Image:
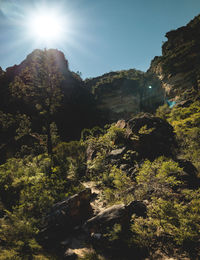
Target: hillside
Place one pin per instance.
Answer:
(102, 169)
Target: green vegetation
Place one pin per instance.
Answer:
(186, 123)
(29, 187)
(108, 79)
(40, 85)
(152, 161)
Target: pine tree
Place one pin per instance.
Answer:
(40, 84)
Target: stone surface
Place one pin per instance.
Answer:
(66, 215)
(122, 94)
(155, 136)
(120, 214)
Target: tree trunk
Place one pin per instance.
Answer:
(49, 141)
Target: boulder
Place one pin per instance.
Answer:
(66, 215)
(117, 152)
(155, 136)
(120, 214)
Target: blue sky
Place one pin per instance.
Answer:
(101, 35)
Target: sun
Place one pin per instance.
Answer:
(46, 26)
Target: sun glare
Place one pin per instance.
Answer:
(47, 27)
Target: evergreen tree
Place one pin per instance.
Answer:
(40, 84)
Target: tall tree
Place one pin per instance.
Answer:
(40, 84)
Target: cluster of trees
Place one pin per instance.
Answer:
(39, 84)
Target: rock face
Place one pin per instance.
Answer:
(116, 214)
(179, 66)
(66, 215)
(60, 225)
(125, 93)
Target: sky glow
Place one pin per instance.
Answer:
(47, 27)
(95, 36)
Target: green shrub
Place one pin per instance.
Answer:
(173, 214)
(18, 234)
(186, 123)
(71, 158)
(158, 178)
(163, 111)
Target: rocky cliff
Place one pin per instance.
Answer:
(179, 66)
(123, 94)
(88, 103)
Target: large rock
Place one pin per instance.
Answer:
(155, 136)
(120, 214)
(66, 215)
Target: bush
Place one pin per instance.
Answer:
(186, 123)
(159, 178)
(173, 214)
(71, 158)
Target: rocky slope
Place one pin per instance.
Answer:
(179, 66)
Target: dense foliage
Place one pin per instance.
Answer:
(30, 185)
(186, 123)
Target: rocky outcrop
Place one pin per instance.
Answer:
(71, 225)
(145, 137)
(120, 214)
(148, 136)
(155, 136)
(65, 216)
(179, 66)
(125, 93)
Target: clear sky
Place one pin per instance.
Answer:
(98, 36)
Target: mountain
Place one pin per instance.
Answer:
(88, 103)
(76, 111)
(179, 66)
